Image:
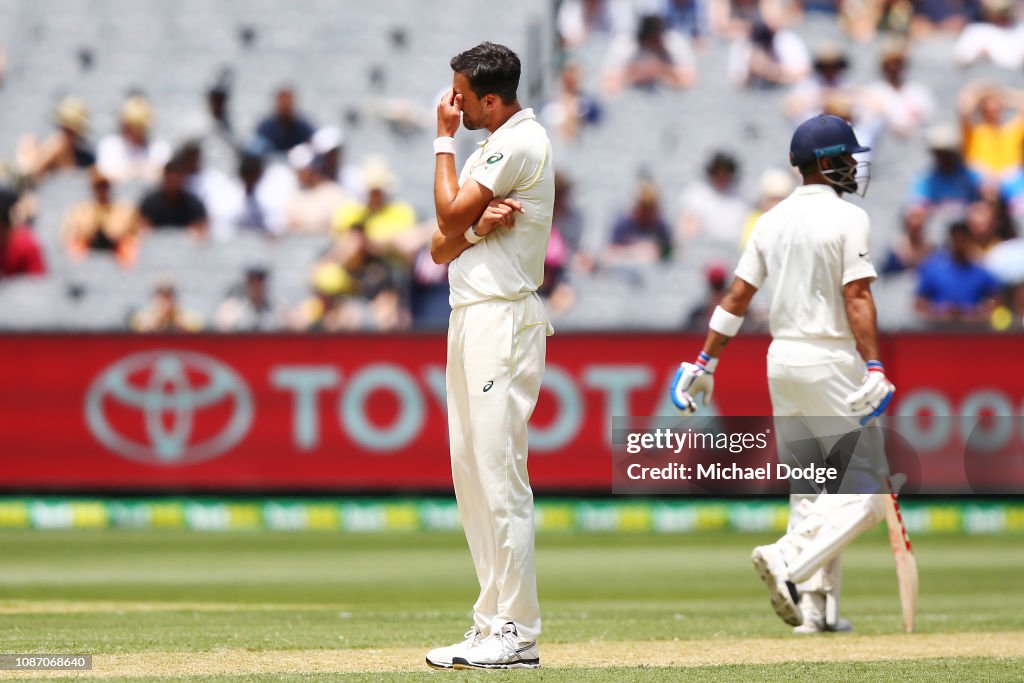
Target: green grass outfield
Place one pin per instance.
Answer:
(184, 604)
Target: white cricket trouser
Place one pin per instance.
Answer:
(495, 365)
(818, 524)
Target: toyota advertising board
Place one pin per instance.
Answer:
(366, 413)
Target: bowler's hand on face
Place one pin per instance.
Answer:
(449, 114)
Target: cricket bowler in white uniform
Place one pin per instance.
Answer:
(494, 222)
(815, 248)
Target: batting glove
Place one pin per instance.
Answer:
(691, 380)
(874, 396)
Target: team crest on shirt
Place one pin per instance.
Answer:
(495, 158)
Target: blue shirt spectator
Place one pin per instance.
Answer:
(948, 184)
(951, 287)
(285, 128)
(642, 235)
(689, 17)
(948, 14)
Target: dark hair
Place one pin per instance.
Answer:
(250, 164)
(491, 69)
(721, 161)
(8, 198)
(176, 165)
(649, 26)
(959, 228)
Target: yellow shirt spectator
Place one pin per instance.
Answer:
(995, 150)
(382, 218)
(380, 225)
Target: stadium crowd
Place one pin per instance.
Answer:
(291, 175)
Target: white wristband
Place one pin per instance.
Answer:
(444, 145)
(724, 322)
(472, 237)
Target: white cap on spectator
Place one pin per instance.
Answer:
(300, 157)
(327, 139)
(943, 136)
(378, 176)
(776, 183)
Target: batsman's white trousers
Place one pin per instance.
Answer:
(495, 365)
(812, 379)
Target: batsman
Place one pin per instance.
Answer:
(823, 364)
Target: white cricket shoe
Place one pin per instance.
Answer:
(812, 607)
(500, 651)
(771, 567)
(441, 657)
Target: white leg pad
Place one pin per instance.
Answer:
(835, 521)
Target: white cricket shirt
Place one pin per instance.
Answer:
(514, 162)
(811, 244)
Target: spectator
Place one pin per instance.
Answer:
(102, 224)
(652, 58)
(66, 148)
(171, 205)
(997, 37)
(568, 221)
(951, 287)
(285, 127)
(555, 288)
(131, 154)
(905, 107)
(948, 186)
(208, 184)
(894, 17)
(164, 314)
(717, 280)
(212, 128)
(572, 108)
(579, 19)
(774, 185)
(246, 205)
(383, 218)
(912, 247)
(377, 282)
(989, 224)
(328, 144)
(690, 18)
(642, 235)
(217, 99)
(768, 56)
(248, 307)
(733, 19)
(429, 291)
(312, 208)
(331, 308)
(712, 209)
(942, 16)
(807, 99)
(20, 253)
(1006, 262)
(992, 120)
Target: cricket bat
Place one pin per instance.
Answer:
(903, 554)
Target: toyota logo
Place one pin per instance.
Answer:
(169, 407)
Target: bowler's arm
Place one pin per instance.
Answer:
(457, 207)
(445, 249)
(736, 301)
(861, 314)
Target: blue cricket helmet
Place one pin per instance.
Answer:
(823, 136)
